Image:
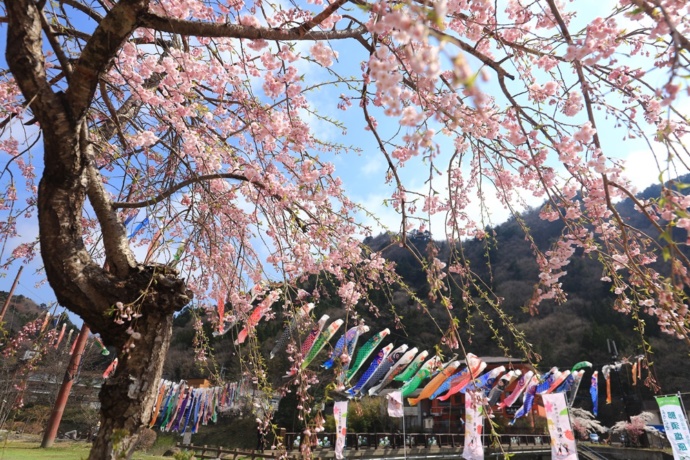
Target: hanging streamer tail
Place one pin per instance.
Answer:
(557, 381)
(221, 311)
(432, 386)
(464, 382)
(74, 344)
(395, 370)
(130, 218)
(494, 394)
(530, 393)
(547, 380)
(61, 335)
(242, 336)
(422, 374)
(281, 342)
(383, 369)
(68, 340)
(180, 250)
(45, 322)
(336, 351)
(608, 390)
(252, 321)
(364, 352)
(104, 350)
(371, 370)
(452, 381)
(313, 335)
(594, 393)
(325, 336)
(480, 384)
(110, 369)
(463, 378)
(517, 391)
(606, 372)
(572, 391)
(138, 227)
(412, 368)
(298, 318)
(348, 356)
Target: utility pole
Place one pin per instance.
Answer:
(9, 296)
(63, 394)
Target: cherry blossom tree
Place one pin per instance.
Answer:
(197, 118)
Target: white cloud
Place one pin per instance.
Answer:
(373, 164)
(642, 169)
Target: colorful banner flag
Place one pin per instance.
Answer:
(340, 415)
(562, 437)
(395, 404)
(608, 389)
(606, 373)
(676, 426)
(594, 392)
(474, 423)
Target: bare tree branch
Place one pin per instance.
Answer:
(208, 29)
(181, 185)
(105, 42)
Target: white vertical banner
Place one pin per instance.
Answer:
(474, 424)
(676, 426)
(395, 404)
(562, 437)
(340, 415)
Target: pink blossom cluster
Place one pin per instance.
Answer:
(323, 54)
(600, 42)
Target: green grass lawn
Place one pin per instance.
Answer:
(23, 450)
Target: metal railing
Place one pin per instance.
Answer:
(357, 441)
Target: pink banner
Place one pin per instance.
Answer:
(340, 415)
(474, 423)
(562, 437)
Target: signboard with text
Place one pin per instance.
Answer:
(676, 426)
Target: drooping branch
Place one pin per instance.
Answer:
(213, 30)
(177, 187)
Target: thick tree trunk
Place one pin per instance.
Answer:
(128, 396)
(81, 284)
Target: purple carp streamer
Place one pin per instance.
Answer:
(375, 364)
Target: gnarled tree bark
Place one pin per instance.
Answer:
(80, 283)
